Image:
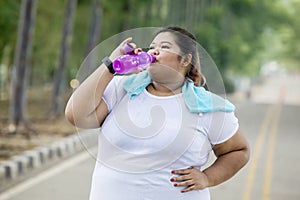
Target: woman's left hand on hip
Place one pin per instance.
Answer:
(190, 178)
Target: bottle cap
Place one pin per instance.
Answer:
(128, 48)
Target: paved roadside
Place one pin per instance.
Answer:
(70, 180)
(32, 162)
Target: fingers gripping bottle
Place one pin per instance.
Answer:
(130, 62)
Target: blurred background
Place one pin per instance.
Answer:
(254, 43)
(245, 38)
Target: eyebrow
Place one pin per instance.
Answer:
(153, 43)
(162, 42)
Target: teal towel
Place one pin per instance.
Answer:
(197, 99)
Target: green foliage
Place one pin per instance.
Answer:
(241, 7)
(9, 15)
(46, 41)
(290, 34)
(239, 35)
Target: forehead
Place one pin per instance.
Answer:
(164, 37)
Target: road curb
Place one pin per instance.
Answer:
(28, 163)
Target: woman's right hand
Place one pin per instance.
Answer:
(120, 49)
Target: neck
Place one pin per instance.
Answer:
(164, 89)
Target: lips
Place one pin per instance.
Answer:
(156, 60)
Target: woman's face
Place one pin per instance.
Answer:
(168, 66)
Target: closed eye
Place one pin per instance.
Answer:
(165, 47)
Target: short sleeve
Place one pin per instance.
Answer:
(113, 92)
(222, 126)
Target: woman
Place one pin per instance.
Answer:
(158, 126)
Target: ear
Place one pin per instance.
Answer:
(186, 60)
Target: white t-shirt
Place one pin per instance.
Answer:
(143, 139)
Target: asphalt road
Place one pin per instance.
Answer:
(271, 126)
(274, 168)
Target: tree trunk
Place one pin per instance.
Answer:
(190, 14)
(4, 73)
(21, 64)
(176, 12)
(96, 21)
(57, 99)
(125, 10)
(202, 10)
(94, 34)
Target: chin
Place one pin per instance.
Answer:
(154, 69)
(162, 73)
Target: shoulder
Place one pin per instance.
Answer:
(218, 117)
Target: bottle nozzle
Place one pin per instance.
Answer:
(153, 58)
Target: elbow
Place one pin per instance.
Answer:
(69, 115)
(245, 154)
(80, 118)
(80, 121)
(76, 121)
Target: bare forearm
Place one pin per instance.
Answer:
(226, 166)
(85, 108)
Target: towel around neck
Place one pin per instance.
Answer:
(197, 99)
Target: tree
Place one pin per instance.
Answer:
(21, 64)
(9, 15)
(57, 101)
(93, 36)
(95, 25)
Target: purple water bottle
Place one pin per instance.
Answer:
(130, 62)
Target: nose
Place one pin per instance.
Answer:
(154, 51)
